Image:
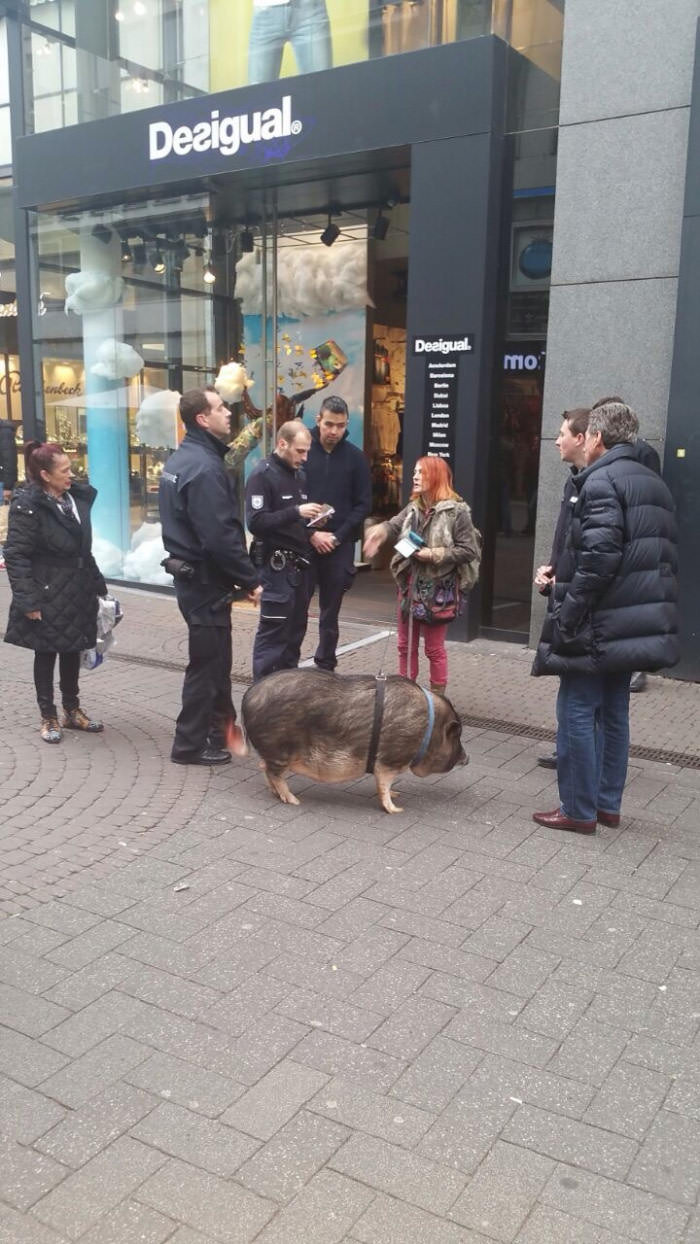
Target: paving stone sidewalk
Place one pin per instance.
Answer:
(226, 1020)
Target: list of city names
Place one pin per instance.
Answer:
(441, 408)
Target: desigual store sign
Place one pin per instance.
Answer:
(223, 133)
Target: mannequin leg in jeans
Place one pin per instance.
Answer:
(304, 24)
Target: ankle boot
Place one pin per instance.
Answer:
(438, 687)
(50, 730)
(76, 719)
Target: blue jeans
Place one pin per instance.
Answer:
(304, 24)
(592, 742)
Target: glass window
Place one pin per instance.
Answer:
(124, 306)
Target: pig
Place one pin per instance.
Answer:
(320, 725)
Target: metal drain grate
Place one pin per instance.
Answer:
(685, 760)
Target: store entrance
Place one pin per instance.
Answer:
(315, 307)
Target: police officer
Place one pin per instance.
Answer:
(337, 474)
(277, 512)
(208, 561)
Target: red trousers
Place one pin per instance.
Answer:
(434, 644)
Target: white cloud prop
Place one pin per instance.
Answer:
(156, 419)
(142, 562)
(116, 360)
(232, 382)
(108, 557)
(310, 280)
(92, 291)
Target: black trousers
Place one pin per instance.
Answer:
(68, 671)
(332, 573)
(207, 707)
(284, 609)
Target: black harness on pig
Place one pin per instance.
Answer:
(380, 692)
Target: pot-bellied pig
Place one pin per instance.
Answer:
(330, 728)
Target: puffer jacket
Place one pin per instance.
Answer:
(613, 607)
(449, 533)
(51, 567)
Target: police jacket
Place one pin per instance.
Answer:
(340, 478)
(273, 495)
(613, 607)
(198, 503)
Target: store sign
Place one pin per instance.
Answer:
(444, 345)
(223, 134)
(441, 409)
(524, 362)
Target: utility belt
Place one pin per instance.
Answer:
(196, 572)
(279, 559)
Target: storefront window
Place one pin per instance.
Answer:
(5, 141)
(125, 324)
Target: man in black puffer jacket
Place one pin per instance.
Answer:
(612, 611)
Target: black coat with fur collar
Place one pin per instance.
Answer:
(51, 567)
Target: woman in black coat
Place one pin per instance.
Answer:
(55, 581)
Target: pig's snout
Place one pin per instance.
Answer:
(462, 759)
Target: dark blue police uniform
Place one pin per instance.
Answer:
(198, 507)
(340, 478)
(274, 493)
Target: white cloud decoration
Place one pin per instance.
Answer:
(311, 280)
(115, 360)
(232, 382)
(92, 291)
(156, 419)
(142, 562)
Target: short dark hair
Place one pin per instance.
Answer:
(40, 456)
(194, 402)
(577, 420)
(603, 401)
(335, 406)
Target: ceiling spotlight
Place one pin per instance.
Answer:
(208, 274)
(102, 233)
(381, 227)
(155, 258)
(126, 251)
(247, 242)
(330, 233)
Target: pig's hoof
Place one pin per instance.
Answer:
(390, 806)
(289, 798)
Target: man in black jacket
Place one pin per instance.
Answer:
(8, 459)
(612, 610)
(337, 474)
(209, 562)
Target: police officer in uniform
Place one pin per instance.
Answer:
(277, 512)
(210, 564)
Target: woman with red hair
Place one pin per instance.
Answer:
(435, 575)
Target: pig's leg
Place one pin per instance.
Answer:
(277, 784)
(384, 778)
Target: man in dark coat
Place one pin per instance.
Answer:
(209, 563)
(337, 474)
(612, 611)
(8, 458)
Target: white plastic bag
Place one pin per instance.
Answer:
(109, 613)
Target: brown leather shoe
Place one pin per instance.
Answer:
(557, 820)
(610, 819)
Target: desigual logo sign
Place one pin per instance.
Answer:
(225, 134)
(444, 345)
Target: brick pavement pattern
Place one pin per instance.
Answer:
(227, 1020)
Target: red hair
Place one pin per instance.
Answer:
(437, 481)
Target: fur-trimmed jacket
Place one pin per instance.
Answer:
(449, 533)
(51, 568)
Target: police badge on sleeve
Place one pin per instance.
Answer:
(257, 502)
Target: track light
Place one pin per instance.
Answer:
(155, 258)
(208, 274)
(127, 255)
(381, 227)
(247, 242)
(330, 233)
(102, 233)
